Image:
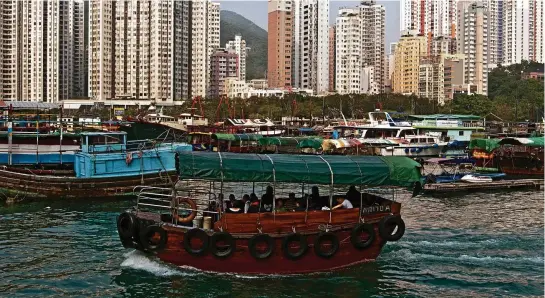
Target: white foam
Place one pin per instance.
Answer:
(408, 254)
(140, 261)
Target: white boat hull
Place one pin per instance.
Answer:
(476, 179)
(413, 151)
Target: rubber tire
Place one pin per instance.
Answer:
(126, 232)
(326, 236)
(261, 238)
(302, 243)
(148, 232)
(200, 234)
(385, 224)
(355, 236)
(225, 237)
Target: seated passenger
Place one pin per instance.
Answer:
(267, 199)
(316, 201)
(231, 201)
(238, 207)
(354, 196)
(246, 200)
(280, 206)
(300, 205)
(254, 204)
(343, 203)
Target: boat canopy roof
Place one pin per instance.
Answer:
(236, 137)
(445, 116)
(315, 143)
(532, 142)
(336, 144)
(488, 145)
(313, 169)
(281, 141)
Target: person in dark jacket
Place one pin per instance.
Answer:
(267, 199)
(354, 196)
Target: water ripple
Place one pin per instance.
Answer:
(476, 245)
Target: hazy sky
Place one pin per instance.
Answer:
(256, 11)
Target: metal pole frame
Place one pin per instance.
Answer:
(330, 190)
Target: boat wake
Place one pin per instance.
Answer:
(407, 254)
(139, 261)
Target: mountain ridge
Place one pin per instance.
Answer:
(232, 23)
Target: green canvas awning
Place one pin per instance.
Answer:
(223, 137)
(248, 137)
(280, 141)
(314, 169)
(488, 145)
(314, 143)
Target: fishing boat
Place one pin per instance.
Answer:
(302, 240)
(107, 165)
(521, 156)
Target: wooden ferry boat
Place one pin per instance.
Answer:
(522, 156)
(297, 241)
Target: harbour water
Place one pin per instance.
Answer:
(480, 244)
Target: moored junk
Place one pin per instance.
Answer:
(316, 213)
(106, 165)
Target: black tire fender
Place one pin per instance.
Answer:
(388, 224)
(303, 246)
(355, 236)
(261, 238)
(126, 226)
(199, 234)
(324, 237)
(148, 233)
(225, 237)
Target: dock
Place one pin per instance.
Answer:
(494, 185)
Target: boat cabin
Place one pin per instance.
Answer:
(448, 127)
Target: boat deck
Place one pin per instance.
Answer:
(494, 185)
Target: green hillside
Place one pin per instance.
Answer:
(255, 37)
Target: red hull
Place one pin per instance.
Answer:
(243, 226)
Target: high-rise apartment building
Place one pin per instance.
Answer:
(495, 31)
(43, 48)
(205, 36)
(522, 31)
(432, 18)
(408, 52)
(332, 50)
(280, 43)
(310, 57)
(439, 75)
(472, 40)
(360, 52)
(238, 45)
(223, 64)
(139, 50)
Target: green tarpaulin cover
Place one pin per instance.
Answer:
(224, 137)
(315, 143)
(316, 169)
(486, 144)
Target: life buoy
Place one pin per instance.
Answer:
(193, 207)
(291, 238)
(387, 226)
(128, 158)
(323, 237)
(147, 238)
(199, 234)
(355, 236)
(259, 238)
(223, 251)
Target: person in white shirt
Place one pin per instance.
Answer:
(343, 203)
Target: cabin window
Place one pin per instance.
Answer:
(430, 140)
(461, 133)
